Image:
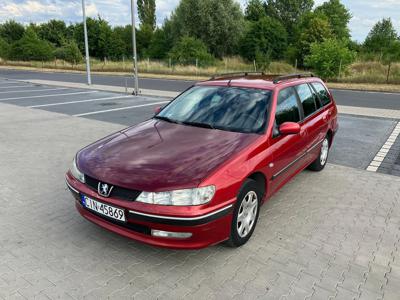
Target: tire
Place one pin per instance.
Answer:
(319, 163)
(247, 207)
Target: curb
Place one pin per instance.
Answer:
(106, 88)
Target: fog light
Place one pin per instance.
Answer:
(168, 234)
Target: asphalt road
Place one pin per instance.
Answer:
(342, 97)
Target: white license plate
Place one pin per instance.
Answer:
(104, 209)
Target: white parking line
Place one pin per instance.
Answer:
(118, 109)
(26, 91)
(7, 82)
(380, 156)
(79, 101)
(15, 86)
(51, 95)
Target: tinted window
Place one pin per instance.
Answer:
(322, 93)
(306, 98)
(287, 109)
(316, 98)
(224, 108)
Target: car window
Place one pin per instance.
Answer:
(225, 108)
(322, 93)
(287, 109)
(306, 98)
(316, 98)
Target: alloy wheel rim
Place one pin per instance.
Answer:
(324, 152)
(247, 214)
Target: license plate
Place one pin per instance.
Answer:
(103, 209)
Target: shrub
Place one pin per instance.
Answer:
(188, 49)
(262, 60)
(69, 52)
(327, 57)
(4, 49)
(30, 47)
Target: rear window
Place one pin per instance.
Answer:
(322, 93)
(287, 109)
(307, 99)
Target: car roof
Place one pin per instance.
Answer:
(257, 80)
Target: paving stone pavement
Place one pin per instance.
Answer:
(328, 235)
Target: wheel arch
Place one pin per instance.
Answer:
(330, 136)
(261, 181)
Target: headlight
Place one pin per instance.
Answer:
(76, 173)
(194, 196)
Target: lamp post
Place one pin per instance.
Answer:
(135, 69)
(89, 79)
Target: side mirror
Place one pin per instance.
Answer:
(289, 128)
(157, 109)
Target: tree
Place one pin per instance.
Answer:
(266, 36)
(255, 10)
(69, 52)
(390, 55)
(147, 13)
(54, 31)
(289, 12)
(11, 31)
(328, 57)
(188, 49)
(99, 37)
(144, 37)
(392, 52)
(161, 43)
(119, 42)
(218, 23)
(4, 49)
(313, 28)
(381, 36)
(338, 16)
(30, 47)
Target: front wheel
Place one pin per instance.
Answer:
(245, 213)
(319, 163)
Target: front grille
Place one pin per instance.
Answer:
(117, 191)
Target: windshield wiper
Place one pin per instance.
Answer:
(198, 124)
(167, 119)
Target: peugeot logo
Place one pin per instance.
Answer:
(104, 189)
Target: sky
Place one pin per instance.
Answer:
(365, 12)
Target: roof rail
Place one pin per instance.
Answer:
(290, 76)
(236, 74)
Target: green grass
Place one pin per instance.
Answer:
(371, 72)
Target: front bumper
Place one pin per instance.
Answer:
(207, 229)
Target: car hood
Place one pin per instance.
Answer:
(157, 155)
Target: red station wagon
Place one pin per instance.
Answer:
(197, 173)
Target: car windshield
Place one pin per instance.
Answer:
(224, 108)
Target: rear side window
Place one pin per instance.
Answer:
(307, 99)
(287, 109)
(322, 93)
(316, 98)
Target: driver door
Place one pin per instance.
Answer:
(288, 151)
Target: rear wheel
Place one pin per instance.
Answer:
(245, 213)
(319, 163)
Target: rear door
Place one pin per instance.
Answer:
(289, 150)
(314, 118)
